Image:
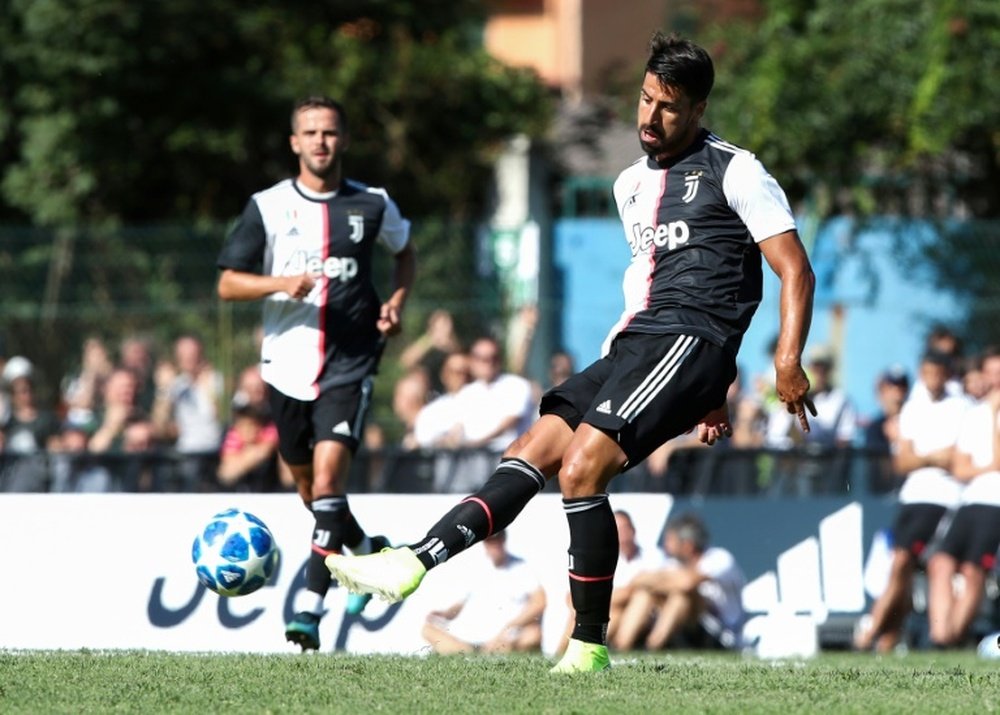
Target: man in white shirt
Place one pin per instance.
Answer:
(928, 430)
(695, 599)
(500, 613)
(969, 548)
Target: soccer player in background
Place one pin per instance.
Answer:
(698, 213)
(304, 246)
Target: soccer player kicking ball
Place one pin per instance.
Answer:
(698, 213)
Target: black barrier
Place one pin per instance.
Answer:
(694, 471)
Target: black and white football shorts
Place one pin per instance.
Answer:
(339, 414)
(646, 390)
(915, 526)
(974, 535)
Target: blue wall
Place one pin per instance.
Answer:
(886, 308)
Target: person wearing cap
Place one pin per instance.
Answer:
(28, 431)
(929, 428)
(891, 390)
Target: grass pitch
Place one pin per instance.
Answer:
(156, 682)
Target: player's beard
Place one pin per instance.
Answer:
(652, 150)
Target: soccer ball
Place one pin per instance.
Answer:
(989, 646)
(234, 554)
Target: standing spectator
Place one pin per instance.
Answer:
(251, 391)
(409, 396)
(81, 392)
(493, 409)
(438, 422)
(891, 390)
(432, 348)
(500, 613)
(694, 601)
(186, 411)
(969, 547)
(928, 430)
(835, 420)
(305, 247)
(248, 459)
(496, 406)
(124, 435)
(561, 368)
(942, 339)
(135, 353)
(28, 432)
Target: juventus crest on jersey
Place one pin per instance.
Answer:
(693, 228)
(328, 338)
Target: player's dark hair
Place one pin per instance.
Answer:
(936, 357)
(677, 62)
(318, 101)
(690, 527)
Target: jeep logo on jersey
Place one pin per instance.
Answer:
(333, 267)
(671, 235)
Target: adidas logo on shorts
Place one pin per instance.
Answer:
(604, 407)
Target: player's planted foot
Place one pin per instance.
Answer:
(581, 657)
(303, 630)
(391, 574)
(356, 602)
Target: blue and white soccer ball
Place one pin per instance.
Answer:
(234, 554)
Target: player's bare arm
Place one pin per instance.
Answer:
(240, 285)
(787, 257)
(391, 313)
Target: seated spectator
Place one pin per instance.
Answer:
(502, 611)
(632, 560)
(119, 408)
(248, 460)
(693, 601)
(124, 434)
(438, 423)
(28, 432)
(74, 467)
(430, 349)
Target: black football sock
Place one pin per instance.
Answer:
(331, 513)
(354, 535)
(486, 512)
(593, 556)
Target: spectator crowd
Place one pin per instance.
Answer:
(134, 417)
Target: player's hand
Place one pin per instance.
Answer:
(389, 320)
(298, 287)
(715, 425)
(793, 389)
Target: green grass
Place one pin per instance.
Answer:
(154, 682)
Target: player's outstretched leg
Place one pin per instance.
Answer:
(393, 574)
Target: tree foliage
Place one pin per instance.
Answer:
(871, 106)
(173, 111)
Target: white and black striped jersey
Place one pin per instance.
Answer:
(329, 338)
(693, 228)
